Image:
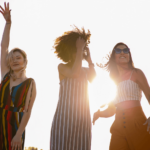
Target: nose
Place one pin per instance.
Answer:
(14, 60)
(122, 52)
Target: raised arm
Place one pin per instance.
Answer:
(76, 68)
(91, 73)
(5, 39)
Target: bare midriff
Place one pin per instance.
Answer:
(128, 104)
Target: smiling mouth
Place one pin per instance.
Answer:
(15, 64)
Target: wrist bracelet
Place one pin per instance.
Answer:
(91, 64)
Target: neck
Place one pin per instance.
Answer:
(19, 74)
(71, 63)
(123, 68)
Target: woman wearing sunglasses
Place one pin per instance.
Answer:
(131, 128)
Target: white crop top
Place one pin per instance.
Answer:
(128, 90)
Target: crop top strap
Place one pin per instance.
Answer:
(131, 74)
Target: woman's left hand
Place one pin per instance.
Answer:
(88, 56)
(16, 142)
(148, 122)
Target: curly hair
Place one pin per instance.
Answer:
(111, 66)
(65, 45)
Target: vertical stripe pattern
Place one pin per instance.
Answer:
(71, 126)
(128, 90)
(11, 110)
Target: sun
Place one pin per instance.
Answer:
(101, 91)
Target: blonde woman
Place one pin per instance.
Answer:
(17, 92)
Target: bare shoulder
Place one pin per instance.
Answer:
(62, 66)
(34, 83)
(33, 87)
(139, 74)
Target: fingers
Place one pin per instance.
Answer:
(2, 8)
(148, 127)
(5, 5)
(81, 39)
(94, 119)
(16, 146)
(80, 43)
(1, 12)
(13, 145)
(145, 122)
(20, 147)
(8, 6)
(86, 48)
(103, 106)
(93, 122)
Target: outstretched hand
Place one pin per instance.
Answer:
(95, 116)
(6, 12)
(148, 124)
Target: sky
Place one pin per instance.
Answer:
(36, 24)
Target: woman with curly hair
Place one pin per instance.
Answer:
(17, 92)
(129, 130)
(71, 127)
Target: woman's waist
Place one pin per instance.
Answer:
(127, 104)
(136, 111)
(11, 108)
(10, 116)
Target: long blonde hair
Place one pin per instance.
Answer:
(9, 58)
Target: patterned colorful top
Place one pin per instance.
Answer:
(12, 105)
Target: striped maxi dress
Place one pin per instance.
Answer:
(11, 110)
(71, 126)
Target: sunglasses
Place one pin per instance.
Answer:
(118, 50)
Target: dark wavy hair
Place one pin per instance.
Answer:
(111, 66)
(65, 45)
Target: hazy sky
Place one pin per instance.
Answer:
(36, 24)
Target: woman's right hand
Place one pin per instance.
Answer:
(6, 12)
(80, 44)
(96, 116)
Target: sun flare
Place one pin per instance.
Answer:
(101, 91)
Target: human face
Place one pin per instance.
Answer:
(17, 62)
(122, 58)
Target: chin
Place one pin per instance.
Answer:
(16, 69)
(124, 62)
